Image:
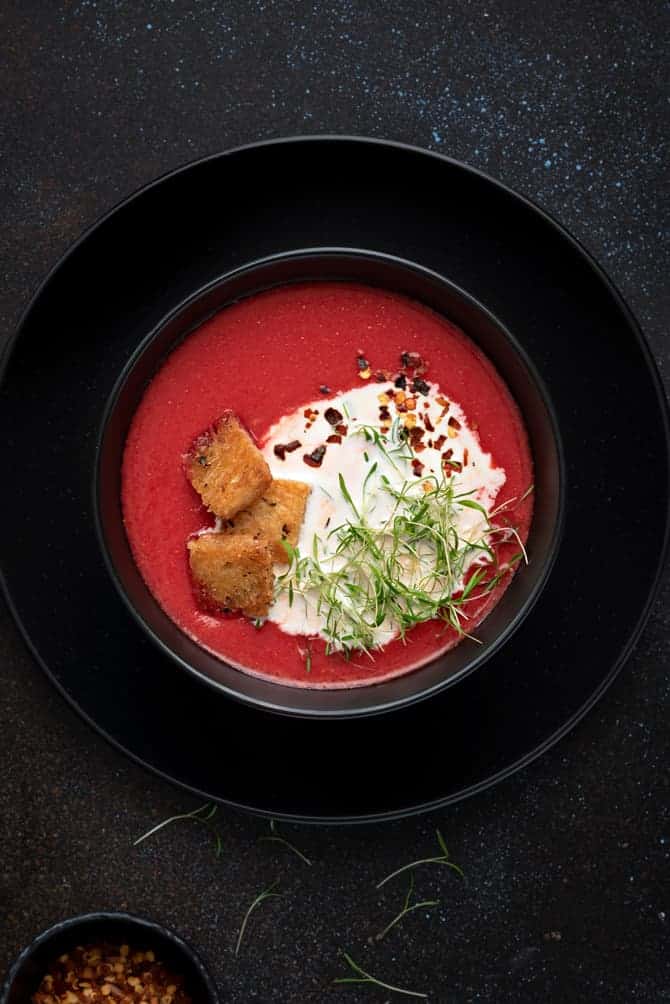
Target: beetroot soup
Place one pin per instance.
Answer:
(327, 485)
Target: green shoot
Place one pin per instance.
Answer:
(442, 859)
(262, 896)
(363, 977)
(277, 839)
(412, 568)
(408, 907)
(203, 815)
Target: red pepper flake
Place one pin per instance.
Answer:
(411, 360)
(448, 464)
(381, 376)
(427, 422)
(384, 414)
(332, 416)
(417, 467)
(281, 449)
(315, 458)
(401, 406)
(110, 972)
(334, 438)
(324, 389)
(415, 436)
(342, 429)
(466, 457)
(439, 442)
(420, 386)
(453, 423)
(418, 447)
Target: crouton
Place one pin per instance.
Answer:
(277, 515)
(232, 572)
(226, 468)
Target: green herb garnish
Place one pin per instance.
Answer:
(442, 859)
(277, 839)
(204, 815)
(363, 977)
(408, 907)
(255, 903)
(412, 568)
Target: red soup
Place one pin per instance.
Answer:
(402, 437)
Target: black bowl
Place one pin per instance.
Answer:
(511, 362)
(25, 975)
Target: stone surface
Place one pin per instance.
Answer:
(566, 864)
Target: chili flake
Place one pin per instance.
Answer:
(411, 360)
(315, 458)
(281, 449)
(332, 416)
(96, 973)
(420, 386)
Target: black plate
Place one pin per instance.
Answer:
(183, 232)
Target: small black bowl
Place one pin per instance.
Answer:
(25, 975)
(496, 342)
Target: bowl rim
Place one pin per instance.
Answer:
(102, 917)
(286, 707)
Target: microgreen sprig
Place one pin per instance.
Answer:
(203, 814)
(268, 893)
(274, 837)
(408, 907)
(441, 859)
(413, 567)
(363, 977)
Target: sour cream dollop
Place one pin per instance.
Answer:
(442, 442)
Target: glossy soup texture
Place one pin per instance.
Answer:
(264, 357)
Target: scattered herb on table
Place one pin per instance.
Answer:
(442, 859)
(408, 907)
(275, 837)
(268, 893)
(363, 977)
(204, 815)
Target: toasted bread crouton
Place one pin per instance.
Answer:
(277, 515)
(226, 468)
(232, 572)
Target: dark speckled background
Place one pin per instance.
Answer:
(566, 895)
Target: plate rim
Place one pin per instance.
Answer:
(661, 398)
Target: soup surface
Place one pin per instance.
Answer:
(391, 406)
